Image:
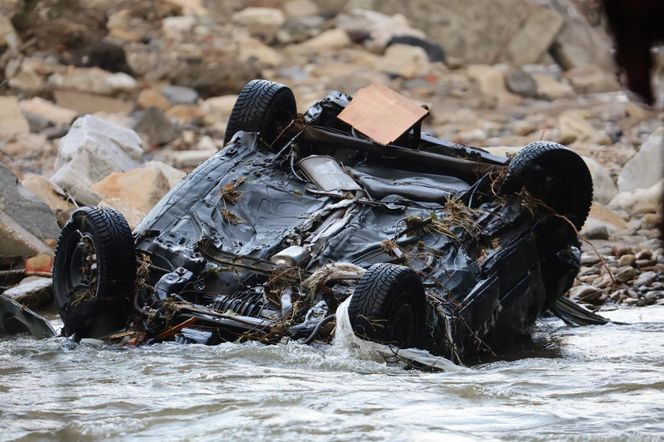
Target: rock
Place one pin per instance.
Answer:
(152, 98)
(188, 158)
(326, 41)
(139, 188)
(92, 149)
(405, 61)
(25, 208)
(33, 292)
(613, 222)
(589, 259)
(644, 279)
(595, 229)
(40, 263)
(625, 274)
(17, 241)
(652, 219)
(185, 113)
(27, 80)
(640, 200)
(376, 30)
(173, 175)
(534, 37)
(85, 103)
(47, 110)
(12, 121)
(522, 83)
(644, 169)
(37, 124)
(218, 109)
(8, 35)
(603, 187)
(261, 22)
(253, 50)
(301, 8)
(575, 128)
(179, 94)
(156, 127)
(592, 79)
(48, 192)
(644, 254)
(490, 79)
(93, 80)
(585, 293)
(626, 260)
(551, 89)
(434, 52)
(177, 28)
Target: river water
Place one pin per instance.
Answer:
(599, 382)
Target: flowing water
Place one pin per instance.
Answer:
(604, 382)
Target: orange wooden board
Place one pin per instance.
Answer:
(381, 113)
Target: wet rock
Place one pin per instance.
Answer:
(139, 188)
(179, 94)
(50, 112)
(93, 80)
(33, 292)
(405, 61)
(592, 79)
(585, 293)
(603, 187)
(549, 88)
(521, 83)
(156, 127)
(645, 169)
(12, 121)
(625, 274)
(85, 103)
(17, 241)
(26, 208)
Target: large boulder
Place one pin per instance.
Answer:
(604, 189)
(645, 168)
(25, 208)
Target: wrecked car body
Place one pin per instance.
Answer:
(424, 243)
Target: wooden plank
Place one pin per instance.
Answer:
(381, 113)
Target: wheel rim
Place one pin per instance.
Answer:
(81, 268)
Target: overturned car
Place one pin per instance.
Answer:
(425, 243)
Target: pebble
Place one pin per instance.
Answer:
(645, 278)
(625, 274)
(626, 260)
(644, 254)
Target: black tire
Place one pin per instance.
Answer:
(94, 272)
(262, 106)
(388, 306)
(556, 176)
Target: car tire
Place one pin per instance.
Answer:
(94, 272)
(262, 106)
(388, 306)
(543, 163)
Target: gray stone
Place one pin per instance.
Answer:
(156, 126)
(17, 241)
(179, 94)
(25, 208)
(604, 188)
(586, 293)
(644, 279)
(521, 82)
(645, 169)
(106, 148)
(33, 292)
(625, 274)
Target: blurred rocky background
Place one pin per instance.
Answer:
(112, 102)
